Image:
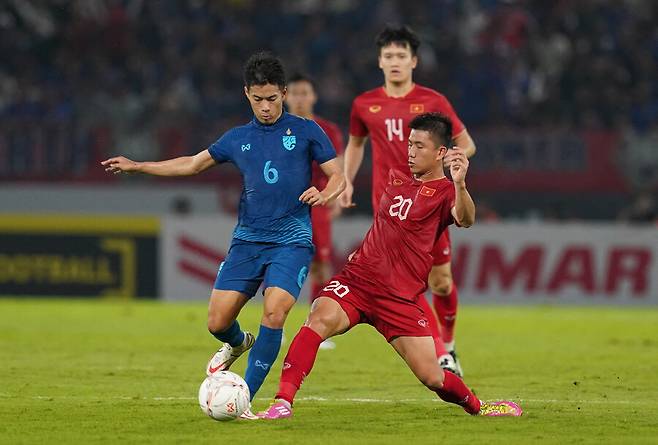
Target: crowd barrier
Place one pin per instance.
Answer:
(176, 258)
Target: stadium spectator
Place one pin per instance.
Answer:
(79, 77)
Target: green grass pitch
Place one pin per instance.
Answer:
(128, 372)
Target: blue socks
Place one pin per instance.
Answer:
(233, 335)
(262, 357)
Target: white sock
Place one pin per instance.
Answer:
(450, 346)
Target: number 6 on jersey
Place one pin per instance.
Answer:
(271, 175)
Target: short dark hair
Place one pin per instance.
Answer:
(438, 125)
(402, 35)
(298, 76)
(264, 68)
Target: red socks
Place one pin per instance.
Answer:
(446, 310)
(455, 391)
(301, 357)
(434, 326)
(298, 363)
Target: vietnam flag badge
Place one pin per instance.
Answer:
(426, 191)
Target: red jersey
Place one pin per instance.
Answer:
(386, 120)
(396, 253)
(318, 178)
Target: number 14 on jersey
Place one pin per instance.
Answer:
(394, 129)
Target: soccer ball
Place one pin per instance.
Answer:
(224, 396)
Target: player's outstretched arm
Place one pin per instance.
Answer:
(335, 186)
(182, 166)
(353, 159)
(464, 210)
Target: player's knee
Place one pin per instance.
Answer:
(217, 323)
(432, 379)
(324, 323)
(274, 318)
(440, 284)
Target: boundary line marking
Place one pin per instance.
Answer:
(332, 400)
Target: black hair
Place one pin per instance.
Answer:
(264, 68)
(402, 35)
(438, 125)
(298, 76)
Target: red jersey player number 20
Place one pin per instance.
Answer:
(396, 254)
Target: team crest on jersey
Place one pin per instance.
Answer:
(375, 108)
(397, 181)
(416, 108)
(289, 140)
(426, 191)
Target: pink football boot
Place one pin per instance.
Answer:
(280, 409)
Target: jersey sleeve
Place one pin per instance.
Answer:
(220, 150)
(357, 126)
(321, 148)
(446, 108)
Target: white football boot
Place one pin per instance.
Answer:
(458, 366)
(447, 362)
(248, 415)
(226, 355)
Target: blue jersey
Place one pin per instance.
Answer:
(275, 162)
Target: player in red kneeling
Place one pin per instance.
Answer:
(381, 283)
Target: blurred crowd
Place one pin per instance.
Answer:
(162, 78)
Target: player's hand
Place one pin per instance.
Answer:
(313, 197)
(458, 162)
(120, 164)
(450, 155)
(345, 198)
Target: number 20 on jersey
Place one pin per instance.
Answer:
(400, 207)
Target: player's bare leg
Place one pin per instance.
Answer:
(444, 295)
(418, 353)
(223, 310)
(325, 320)
(319, 274)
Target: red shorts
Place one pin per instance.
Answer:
(391, 316)
(442, 249)
(321, 221)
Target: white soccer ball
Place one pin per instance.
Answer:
(224, 396)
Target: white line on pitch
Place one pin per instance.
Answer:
(366, 400)
(339, 400)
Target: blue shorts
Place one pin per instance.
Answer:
(249, 264)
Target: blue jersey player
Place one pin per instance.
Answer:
(272, 241)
